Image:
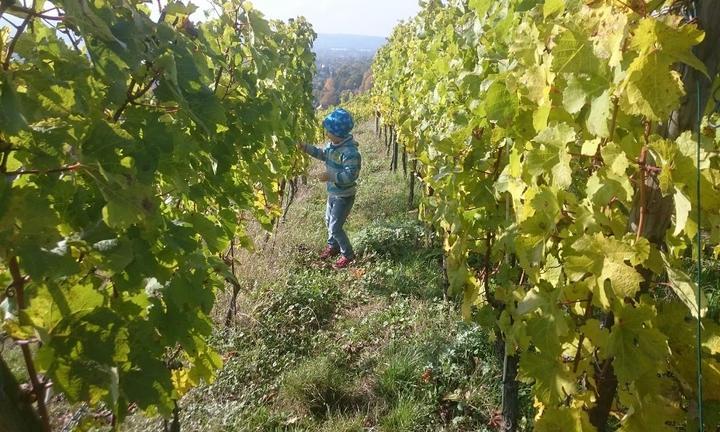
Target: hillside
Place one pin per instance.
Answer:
(349, 43)
(343, 66)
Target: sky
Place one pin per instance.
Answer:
(358, 17)
(361, 17)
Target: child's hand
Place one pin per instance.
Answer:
(324, 176)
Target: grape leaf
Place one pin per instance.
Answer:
(565, 419)
(685, 288)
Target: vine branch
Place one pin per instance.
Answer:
(72, 167)
(16, 37)
(38, 387)
(643, 193)
(32, 13)
(132, 97)
(586, 317)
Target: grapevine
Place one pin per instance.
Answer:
(566, 197)
(131, 149)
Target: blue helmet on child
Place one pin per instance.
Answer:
(339, 123)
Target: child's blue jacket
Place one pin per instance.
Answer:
(343, 162)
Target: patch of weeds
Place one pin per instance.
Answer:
(318, 386)
(344, 423)
(710, 283)
(406, 416)
(389, 238)
(415, 276)
(289, 317)
(12, 355)
(264, 418)
(280, 331)
(399, 372)
(375, 328)
(469, 352)
(466, 378)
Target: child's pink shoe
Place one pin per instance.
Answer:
(342, 262)
(328, 252)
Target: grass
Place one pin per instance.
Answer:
(405, 416)
(319, 386)
(399, 372)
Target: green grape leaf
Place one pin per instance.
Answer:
(41, 263)
(50, 305)
(140, 142)
(121, 211)
(637, 347)
(211, 233)
(500, 105)
(573, 53)
(575, 94)
(11, 117)
(83, 354)
(113, 254)
(552, 7)
(82, 15)
(600, 113)
(685, 288)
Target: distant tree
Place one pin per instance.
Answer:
(367, 81)
(340, 73)
(345, 96)
(329, 95)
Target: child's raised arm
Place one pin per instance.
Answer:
(313, 151)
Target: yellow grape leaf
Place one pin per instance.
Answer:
(182, 381)
(552, 378)
(589, 148)
(673, 38)
(564, 419)
(625, 280)
(553, 6)
(599, 336)
(533, 299)
(652, 89)
(685, 287)
(573, 53)
(651, 412)
(609, 35)
(682, 211)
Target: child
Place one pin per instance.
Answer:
(342, 163)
